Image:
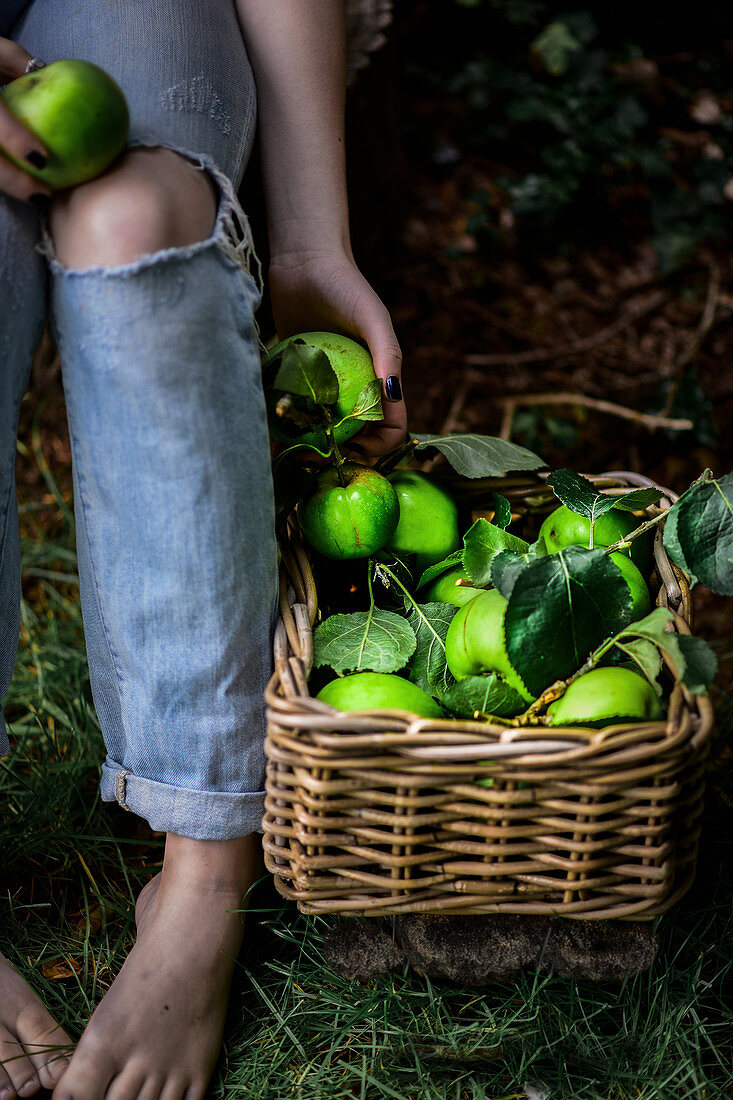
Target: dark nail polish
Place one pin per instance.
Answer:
(39, 199)
(36, 159)
(393, 388)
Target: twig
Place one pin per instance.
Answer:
(695, 342)
(587, 343)
(647, 420)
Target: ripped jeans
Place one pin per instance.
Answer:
(173, 495)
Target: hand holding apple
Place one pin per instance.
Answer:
(16, 138)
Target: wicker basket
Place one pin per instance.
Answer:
(372, 814)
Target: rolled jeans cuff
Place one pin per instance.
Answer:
(200, 815)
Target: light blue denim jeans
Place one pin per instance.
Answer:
(172, 486)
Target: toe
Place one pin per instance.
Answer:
(86, 1077)
(151, 1088)
(16, 1066)
(45, 1043)
(126, 1085)
(174, 1089)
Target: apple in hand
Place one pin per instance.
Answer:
(353, 367)
(79, 113)
(352, 520)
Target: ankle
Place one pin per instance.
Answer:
(216, 866)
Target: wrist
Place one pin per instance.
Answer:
(296, 241)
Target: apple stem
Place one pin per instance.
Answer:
(640, 530)
(338, 458)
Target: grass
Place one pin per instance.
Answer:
(71, 868)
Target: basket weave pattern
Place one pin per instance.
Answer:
(372, 814)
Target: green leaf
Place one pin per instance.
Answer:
(480, 455)
(502, 511)
(427, 667)
(701, 664)
(368, 404)
(560, 609)
(485, 695)
(695, 662)
(380, 641)
(505, 568)
(705, 532)
(307, 372)
(672, 543)
(638, 499)
(580, 495)
(433, 571)
(646, 658)
(554, 45)
(482, 543)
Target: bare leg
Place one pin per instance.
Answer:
(157, 1032)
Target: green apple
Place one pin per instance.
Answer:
(475, 642)
(445, 589)
(563, 527)
(428, 523)
(640, 599)
(378, 691)
(351, 521)
(353, 367)
(606, 696)
(79, 113)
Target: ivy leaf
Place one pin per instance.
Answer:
(560, 609)
(306, 371)
(380, 641)
(480, 455)
(433, 571)
(368, 404)
(482, 543)
(505, 568)
(502, 511)
(427, 667)
(705, 532)
(484, 695)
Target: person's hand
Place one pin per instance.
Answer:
(326, 291)
(15, 138)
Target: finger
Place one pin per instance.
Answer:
(13, 59)
(375, 326)
(22, 144)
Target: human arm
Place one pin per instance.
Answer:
(298, 54)
(14, 137)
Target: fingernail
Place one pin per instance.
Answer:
(36, 159)
(393, 388)
(39, 199)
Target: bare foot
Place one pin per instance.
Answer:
(157, 1032)
(33, 1048)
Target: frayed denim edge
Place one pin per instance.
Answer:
(232, 232)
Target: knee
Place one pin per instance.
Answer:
(152, 200)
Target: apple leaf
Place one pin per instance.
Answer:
(480, 455)
(645, 655)
(561, 608)
(433, 571)
(701, 664)
(427, 667)
(693, 658)
(505, 568)
(502, 511)
(672, 543)
(380, 641)
(482, 543)
(704, 531)
(306, 371)
(368, 404)
(483, 695)
(580, 495)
